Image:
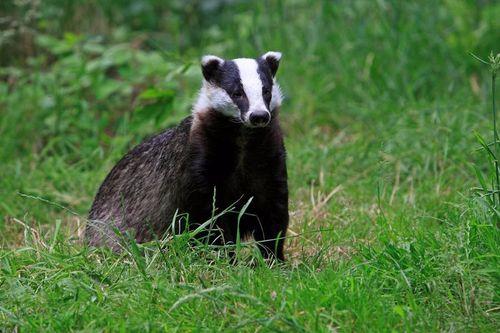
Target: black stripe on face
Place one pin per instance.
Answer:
(228, 78)
(267, 80)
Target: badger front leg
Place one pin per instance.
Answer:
(270, 231)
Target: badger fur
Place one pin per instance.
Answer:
(229, 150)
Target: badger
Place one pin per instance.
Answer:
(228, 152)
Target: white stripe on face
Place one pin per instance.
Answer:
(252, 84)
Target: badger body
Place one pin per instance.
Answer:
(229, 150)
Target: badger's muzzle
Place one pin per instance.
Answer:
(259, 118)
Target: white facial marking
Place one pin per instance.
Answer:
(213, 97)
(252, 85)
(276, 96)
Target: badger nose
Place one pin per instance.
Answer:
(259, 118)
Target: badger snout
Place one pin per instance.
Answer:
(259, 118)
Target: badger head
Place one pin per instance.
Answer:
(243, 89)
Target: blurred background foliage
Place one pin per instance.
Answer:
(82, 81)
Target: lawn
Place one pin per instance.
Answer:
(393, 197)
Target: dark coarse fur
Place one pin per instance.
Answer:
(179, 169)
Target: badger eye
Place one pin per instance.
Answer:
(237, 94)
(266, 92)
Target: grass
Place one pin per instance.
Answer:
(382, 110)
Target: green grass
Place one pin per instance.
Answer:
(383, 104)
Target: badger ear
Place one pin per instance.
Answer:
(210, 64)
(273, 60)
